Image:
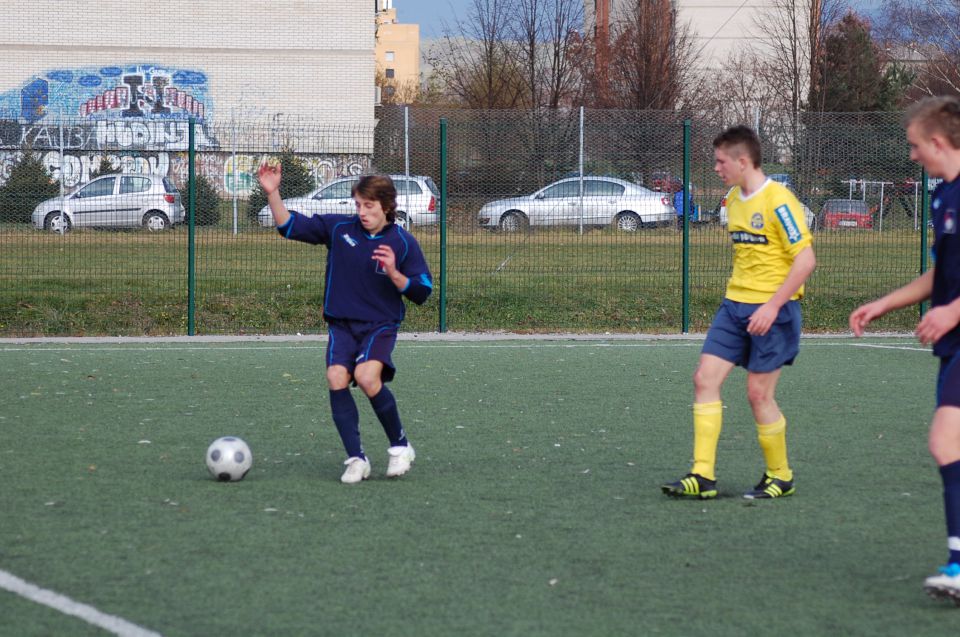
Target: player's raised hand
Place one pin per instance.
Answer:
(269, 175)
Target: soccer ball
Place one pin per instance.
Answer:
(229, 459)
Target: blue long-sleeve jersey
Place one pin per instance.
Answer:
(945, 209)
(357, 288)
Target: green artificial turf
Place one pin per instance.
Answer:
(533, 507)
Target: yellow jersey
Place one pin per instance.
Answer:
(768, 230)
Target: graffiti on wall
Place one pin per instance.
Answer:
(137, 91)
(137, 117)
(236, 175)
(230, 175)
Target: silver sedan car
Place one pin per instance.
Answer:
(604, 201)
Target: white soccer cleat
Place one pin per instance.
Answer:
(400, 460)
(358, 469)
(945, 585)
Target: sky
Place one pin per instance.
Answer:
(432, 15)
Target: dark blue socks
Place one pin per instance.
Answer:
(385, 407)
(951, 506)
(347, 419)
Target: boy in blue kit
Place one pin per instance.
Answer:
(372, 263)
(933, 132)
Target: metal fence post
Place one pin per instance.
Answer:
(443, 224)
(685, 218)
(191, 242)
(406, 140)
(580, 164)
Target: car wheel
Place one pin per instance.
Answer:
(155, 221)
(401, 219)
(57, 222)
(513, 222)
(627, 221)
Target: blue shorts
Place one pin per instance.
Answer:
(353, 342)
(948, 382)
(728, 338)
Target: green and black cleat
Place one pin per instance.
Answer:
(691, 485)
(770, 487)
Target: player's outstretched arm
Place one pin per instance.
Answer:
(269, 176)
(914, 292)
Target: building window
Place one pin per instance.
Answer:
(389, 56)
(390, 74)
(389, 90)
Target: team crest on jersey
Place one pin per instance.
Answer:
(350, 240)
(950, 221)
(756, 221)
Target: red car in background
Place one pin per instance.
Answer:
(845, 213)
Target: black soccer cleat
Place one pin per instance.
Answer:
(691, 485)
(770, 487)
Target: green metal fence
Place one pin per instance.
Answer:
(584, 257)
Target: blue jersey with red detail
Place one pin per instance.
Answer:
(357, 288)
(945, 211)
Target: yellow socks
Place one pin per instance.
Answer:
(773, 442)
(707, 421)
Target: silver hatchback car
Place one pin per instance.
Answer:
(114, 201)
(604, 201)
(417, 201)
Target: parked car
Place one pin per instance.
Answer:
(845, 213)
(417, 201)
(606, 200)
(114, 201)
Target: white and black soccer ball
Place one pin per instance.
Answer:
(229, 459)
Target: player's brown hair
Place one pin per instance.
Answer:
(937, 115)
(739, 139)
(380, 188)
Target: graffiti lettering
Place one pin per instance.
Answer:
(149, 135)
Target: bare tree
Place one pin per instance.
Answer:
(742, 91)
(929, 31)
(654, 59)
(393, 91)
(787, 54)
(544, 33)
(476, 63)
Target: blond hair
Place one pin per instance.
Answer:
(937, 115)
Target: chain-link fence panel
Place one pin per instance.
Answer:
(555, 220)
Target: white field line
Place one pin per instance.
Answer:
(67, 606)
